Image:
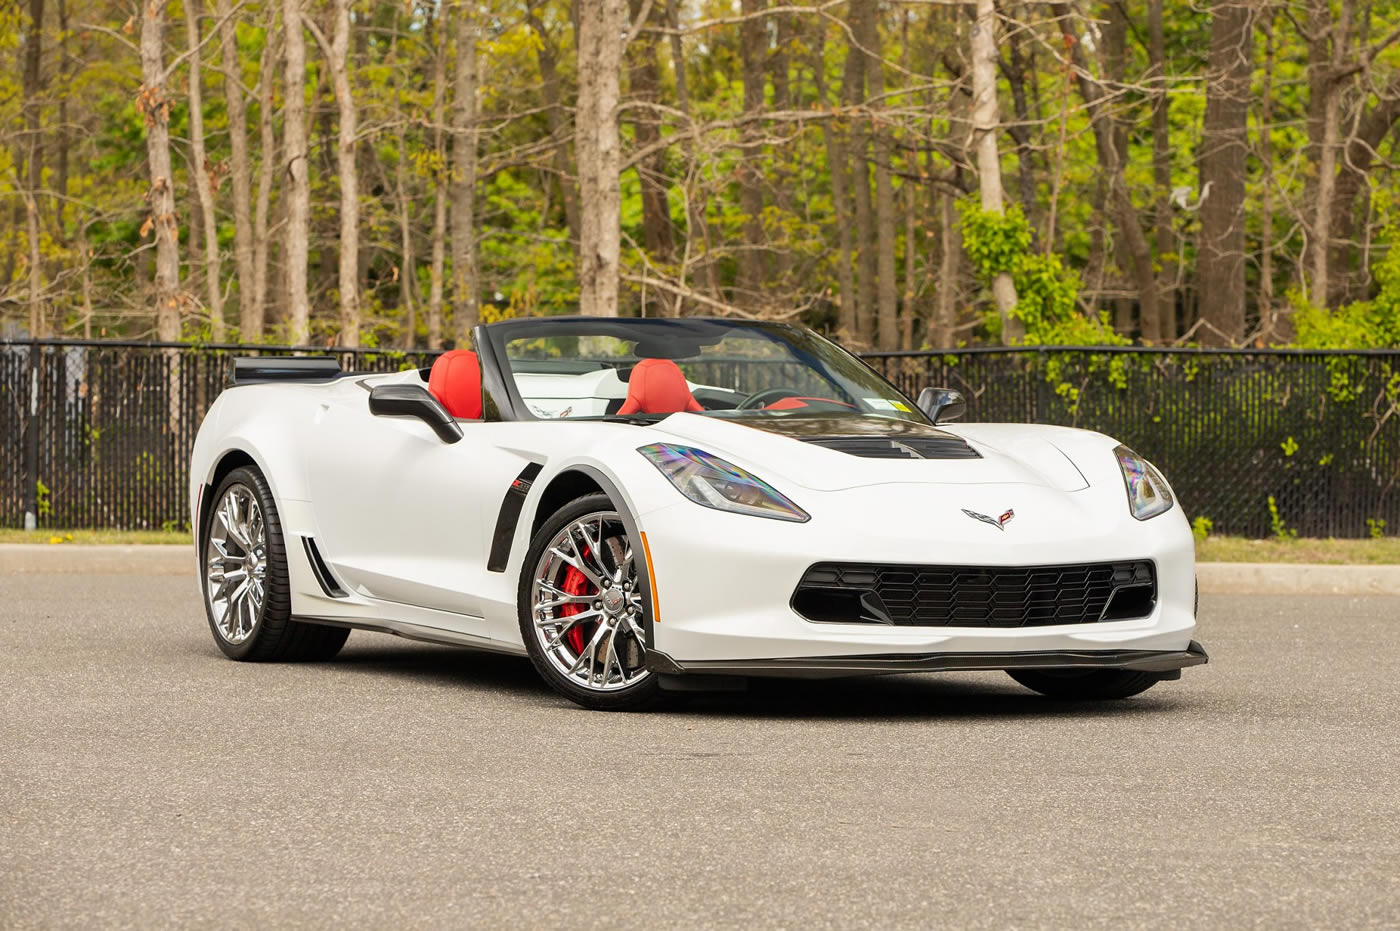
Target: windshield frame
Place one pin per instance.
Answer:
(494, 338)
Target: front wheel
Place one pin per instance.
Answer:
(1085, 684)
(583, 610)
(247, 595)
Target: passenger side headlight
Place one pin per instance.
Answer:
(715, 483)
(1148, 494)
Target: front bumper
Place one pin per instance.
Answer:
(831, 667)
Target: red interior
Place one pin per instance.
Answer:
(456, 381)
(788, 404)
(657, 386)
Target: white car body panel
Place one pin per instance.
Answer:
(405, 521)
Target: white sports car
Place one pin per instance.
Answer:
(650, 504)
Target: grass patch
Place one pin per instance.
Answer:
(1381, 551)
(57, 537)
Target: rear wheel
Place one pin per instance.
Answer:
(583, 613)
(247, 595)
(1086, 684)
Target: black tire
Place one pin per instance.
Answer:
(1085, 684)
(646, 693)
(274, 636)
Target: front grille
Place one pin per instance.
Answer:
(903, 447)
(976, 596)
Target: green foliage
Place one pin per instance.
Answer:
(1375, 527)
(41, 499)
(1289, 446)
(1047, 292)
(1280, 530)
(1201, 528)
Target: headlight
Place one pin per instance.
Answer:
(1148, 494)
(715, 483)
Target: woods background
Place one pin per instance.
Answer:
(901, 174)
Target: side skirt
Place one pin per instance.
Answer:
(418, 632)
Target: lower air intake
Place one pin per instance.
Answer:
(976, 596)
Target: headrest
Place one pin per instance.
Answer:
(456, 382)
(657, 386)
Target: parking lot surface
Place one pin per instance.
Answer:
(147, 781)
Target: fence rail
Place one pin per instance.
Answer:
(98, 434)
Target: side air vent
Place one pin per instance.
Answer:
(322, 571)
(912, 447)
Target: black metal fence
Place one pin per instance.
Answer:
(98, 434)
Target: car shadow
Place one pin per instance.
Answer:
(948, 696)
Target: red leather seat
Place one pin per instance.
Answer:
(456, 382)
(657, 386)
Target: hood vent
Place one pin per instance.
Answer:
(905, 447)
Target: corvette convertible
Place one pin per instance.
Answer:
(643, 505)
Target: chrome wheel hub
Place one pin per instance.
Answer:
(235, 564)
(586, 605)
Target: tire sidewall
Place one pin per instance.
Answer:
(633, 696)
(250, 478)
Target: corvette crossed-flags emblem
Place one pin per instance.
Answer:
(997, 522)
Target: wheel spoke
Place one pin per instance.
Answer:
(595, 545)
(234, 581)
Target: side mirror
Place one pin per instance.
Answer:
(942, 404)
(414, 401)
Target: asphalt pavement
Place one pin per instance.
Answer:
(146, 781)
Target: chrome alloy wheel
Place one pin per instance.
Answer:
(235, 564)
(586, 605)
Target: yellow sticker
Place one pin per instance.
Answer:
(899, 406)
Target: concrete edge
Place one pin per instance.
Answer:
(1249, 578)
(97, 559)
(1216, 578)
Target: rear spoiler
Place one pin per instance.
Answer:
(249, 370)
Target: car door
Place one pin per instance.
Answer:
(400, 512)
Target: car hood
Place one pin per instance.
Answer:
(784, 447)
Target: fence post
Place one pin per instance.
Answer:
(31, 446)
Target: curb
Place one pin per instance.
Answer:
(1216, 578)
(97, 559)
(1249, 578)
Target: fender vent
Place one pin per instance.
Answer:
(322, 571)
(910, 447)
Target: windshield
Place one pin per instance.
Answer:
(650, 368)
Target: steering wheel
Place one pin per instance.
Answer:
(767, 396)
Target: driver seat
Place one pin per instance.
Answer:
(657, 386)
(455, 381)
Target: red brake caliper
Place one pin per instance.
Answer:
(575, 584)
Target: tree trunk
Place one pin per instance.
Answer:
(202, 169)
(240, 169)
(753, 40)
(986, 121)
(837, 159)
(853, 91)
(601, 24)
(252, 328)
(1354, 177)
(644, 79)
(154, 106)
(1225, 141)
(348, 174)
(298, 195)
(1320, 244)
(33, 131)
(1271, 322)
(556, 117)
(940, 327)
(1163, 328)
(1135, 251)
(465, 284)
(438, 244)
(887, 289)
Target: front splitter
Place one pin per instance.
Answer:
(830, 667)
